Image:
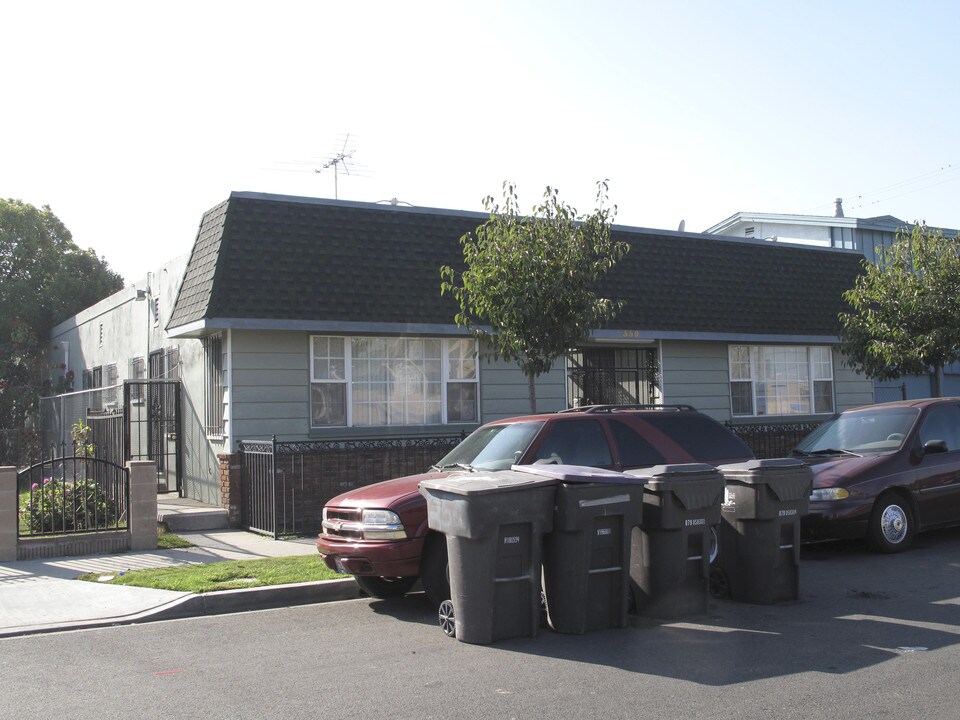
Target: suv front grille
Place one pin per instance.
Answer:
(335, 516)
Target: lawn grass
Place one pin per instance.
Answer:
(225, 575)
(170, 541)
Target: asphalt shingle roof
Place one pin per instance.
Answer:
(280, 258)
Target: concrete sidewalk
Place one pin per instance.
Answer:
(43, 596)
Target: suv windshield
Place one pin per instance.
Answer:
(494, 447)
(865, 432)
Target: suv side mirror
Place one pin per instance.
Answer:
(931, 447)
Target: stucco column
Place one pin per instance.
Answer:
(142, 512)
(8, 514)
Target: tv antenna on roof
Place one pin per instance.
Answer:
(336, 161)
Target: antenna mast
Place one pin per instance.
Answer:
(339, 159)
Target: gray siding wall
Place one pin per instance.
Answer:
(851, 389)
(504, 391)
(269, 385)
(696, 373)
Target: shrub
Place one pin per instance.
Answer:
(56, 505)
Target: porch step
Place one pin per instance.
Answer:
(187, 515)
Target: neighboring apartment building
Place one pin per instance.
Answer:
(310, 319)
(868, 236)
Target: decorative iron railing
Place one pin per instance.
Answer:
(772, 440)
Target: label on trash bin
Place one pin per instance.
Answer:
(612, 500)
(729, 498)
(511, 540)
(788, 513)
(605, 531)
(694, 522)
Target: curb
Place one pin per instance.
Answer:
(221, 602)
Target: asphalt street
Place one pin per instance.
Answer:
(871, 637)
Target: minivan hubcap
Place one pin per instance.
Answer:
(894, 524)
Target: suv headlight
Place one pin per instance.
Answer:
(834, 493)
(381, 525)
(372, 525)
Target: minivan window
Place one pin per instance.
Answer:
(942, 423)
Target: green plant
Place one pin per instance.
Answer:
(55, 505)
(80, 432)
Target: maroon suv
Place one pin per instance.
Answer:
(379, 533)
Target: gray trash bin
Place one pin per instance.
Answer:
(670, 551)
(760, 530)
(494, 525)
(586, 558)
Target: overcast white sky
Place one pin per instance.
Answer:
(131, 119)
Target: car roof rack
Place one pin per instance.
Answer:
(615, 408)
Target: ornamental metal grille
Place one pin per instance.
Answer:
(284, 485)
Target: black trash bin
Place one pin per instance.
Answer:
(670, 551)
(494, 525)
(586, 558)
(760, 530)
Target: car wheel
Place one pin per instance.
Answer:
(385, 587)
(434, 570)
(891, 525)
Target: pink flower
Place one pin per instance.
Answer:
(35, 486)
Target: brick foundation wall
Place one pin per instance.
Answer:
(230, 486)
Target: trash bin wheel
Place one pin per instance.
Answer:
(447, 618)
(719, 583)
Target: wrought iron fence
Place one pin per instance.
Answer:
(284, 485)
(773, 440)
(71, 494)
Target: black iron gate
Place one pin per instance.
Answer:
(258, 486)
(613, 376)
(152, 430)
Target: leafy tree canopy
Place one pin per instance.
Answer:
(44, 279)
(530, 279)
(905, 309)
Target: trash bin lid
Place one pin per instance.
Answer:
(760, 471)
(676, 471)
(577, 473)
(788, 478)
(483, 483)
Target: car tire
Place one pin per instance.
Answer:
(892, 524)
(385, 587)
(434, 570)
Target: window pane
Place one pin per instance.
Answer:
(822, 396)
(741, 398)
(634, 449)
(462, 359)
(461, 402)
(328, 404)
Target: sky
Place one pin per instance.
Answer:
(130, 119)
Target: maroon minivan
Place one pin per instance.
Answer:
(884, 472)
(379, 533)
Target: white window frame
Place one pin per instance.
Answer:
(445, 379)
(817, 371)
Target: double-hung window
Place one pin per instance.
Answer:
(383, 381)
(780, 380)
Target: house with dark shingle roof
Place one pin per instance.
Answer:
(306, 318)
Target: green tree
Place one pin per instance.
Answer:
(44, 279)
(530, 279)
(905, 309)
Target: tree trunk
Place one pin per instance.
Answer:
(938, 381)
(533, 394)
